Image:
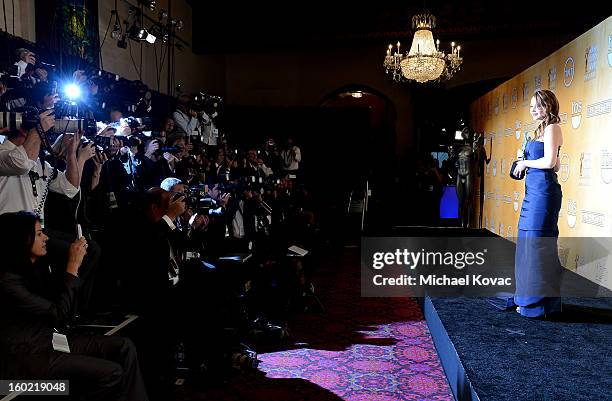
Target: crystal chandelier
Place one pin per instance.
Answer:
(424, 62)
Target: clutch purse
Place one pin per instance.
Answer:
(516, 177)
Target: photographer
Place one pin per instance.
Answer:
(190, 220)
(186, 167)
(291, 157)
(24, 179)
(98, 367)
(156, 164)
(43, 96)
(151, 283)
(26, 58)
(255, 166)
(10, 99)
(186, 120)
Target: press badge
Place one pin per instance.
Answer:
(60, 343)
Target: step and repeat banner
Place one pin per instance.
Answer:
(580, 74)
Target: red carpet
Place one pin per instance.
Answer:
(363, 349)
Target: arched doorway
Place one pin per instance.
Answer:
(371, 146)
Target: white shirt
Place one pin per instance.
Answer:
(15, 186)
(238, 222)
(21, 67)
(185, 122)
(209, 131)
(292, 158)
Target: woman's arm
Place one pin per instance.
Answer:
(552, 141)
(20, 297)
(558, 165)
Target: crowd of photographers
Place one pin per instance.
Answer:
(143, 212)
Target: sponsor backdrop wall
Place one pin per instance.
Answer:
(580, 74)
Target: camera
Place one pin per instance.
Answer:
(26, 119)
(86, 126)
(197, 199)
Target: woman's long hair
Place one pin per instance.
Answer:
(17, 233)
(549, 102)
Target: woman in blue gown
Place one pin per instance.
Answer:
(537, 267)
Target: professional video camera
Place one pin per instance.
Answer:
(209, 104)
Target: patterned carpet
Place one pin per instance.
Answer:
(363, 349)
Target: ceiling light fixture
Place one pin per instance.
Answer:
(424, 62)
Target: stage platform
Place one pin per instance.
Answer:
(490, 355)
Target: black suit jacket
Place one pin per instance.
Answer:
(148, 289)
(28, 314)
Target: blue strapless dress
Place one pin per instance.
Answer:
(536, 265)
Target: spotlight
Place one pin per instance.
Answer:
(72, 91)
(150, 38)
(140, 34)
(150, 4)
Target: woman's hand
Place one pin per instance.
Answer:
(76, 253)
(520, 167)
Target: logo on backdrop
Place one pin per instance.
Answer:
(585, 169)
(572, 208)
(508, 132)
(499, 136)
(507, 199)
(504, 102)
(568, 72)
(488, 169)
(599, 108)
(492, 228)
(564, 167)
(496, 109)
(525, 93)
(606, 166)
(494, 168)
(610, 50)
(498, 197)
(516, 201)
(509, 232)
(576, 113)
(503, 167)
(514, 97)
(517, 128)
(552, 78)
(592, 218)
(501, 229)
(590, 65)
(563, 117)
(537, 82)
